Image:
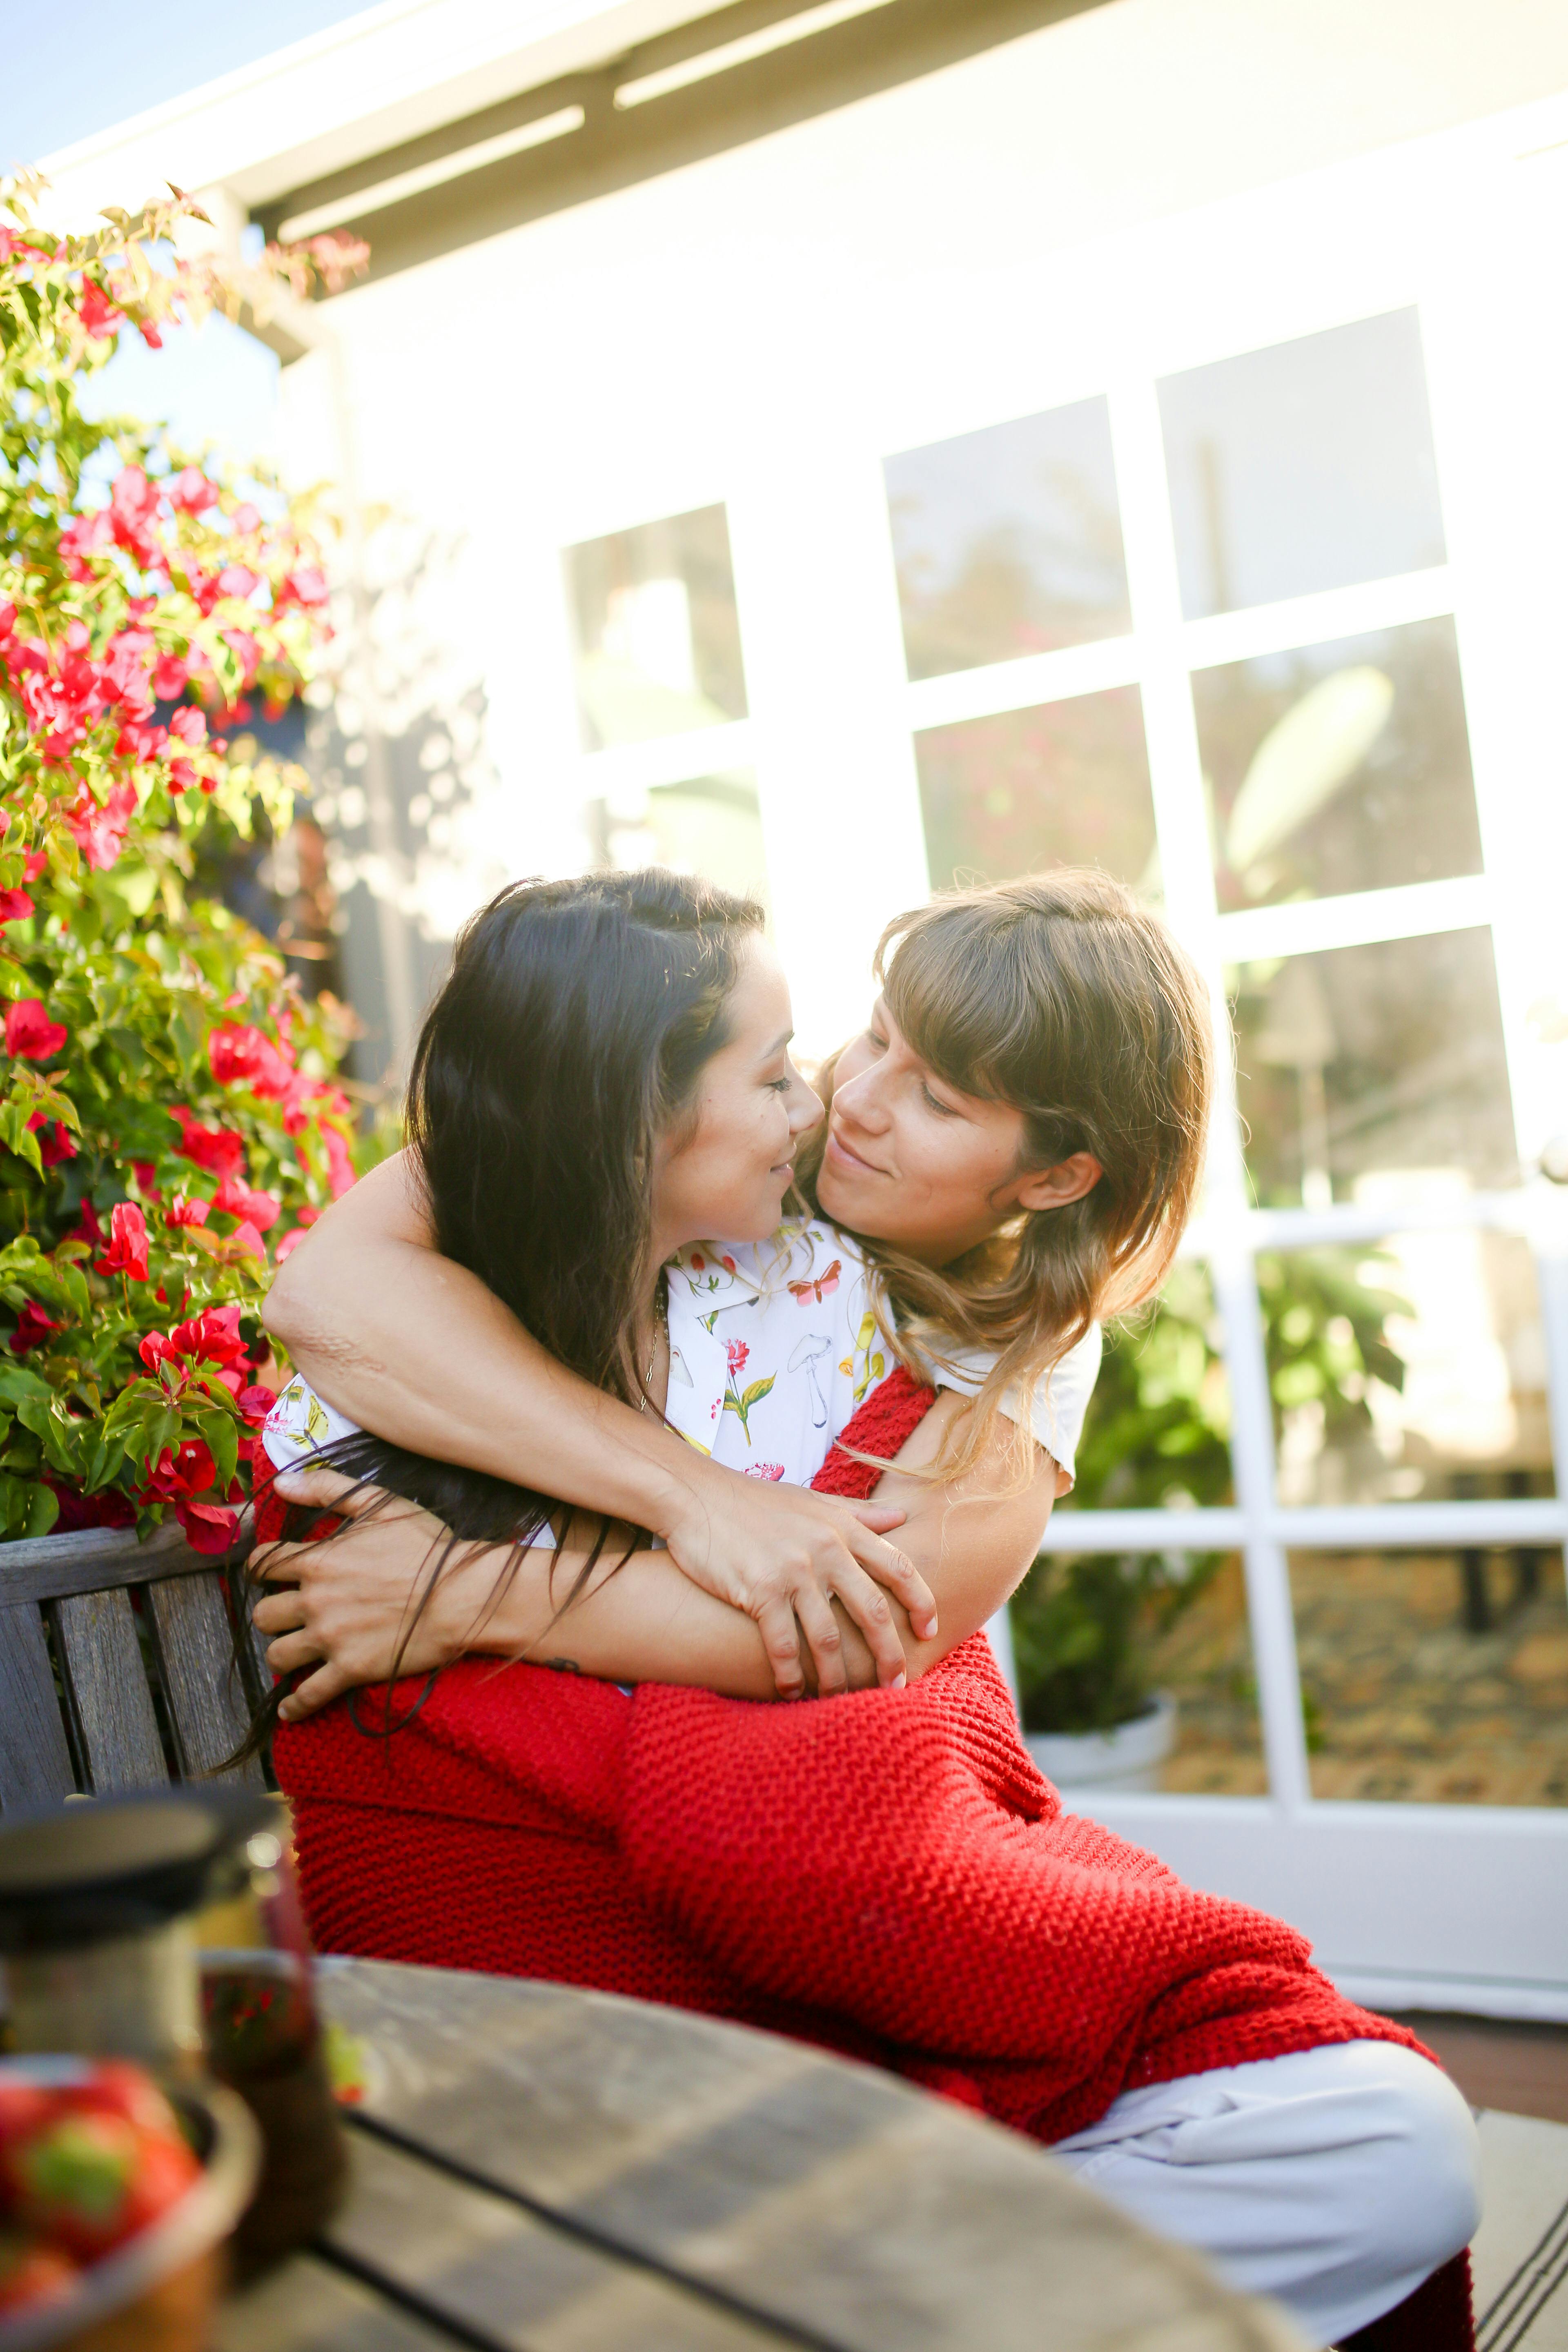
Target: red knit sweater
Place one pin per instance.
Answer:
(887, 1875)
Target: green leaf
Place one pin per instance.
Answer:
(756, 1392)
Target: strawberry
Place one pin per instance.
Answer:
(23, 2107)
(90, 2179)
(115, 2087)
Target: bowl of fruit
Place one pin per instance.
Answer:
(115, 2201)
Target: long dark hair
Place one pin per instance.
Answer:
(565, 1042)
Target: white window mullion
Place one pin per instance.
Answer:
(1181, 813)
(1319, 619)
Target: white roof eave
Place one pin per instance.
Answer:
(357, 88)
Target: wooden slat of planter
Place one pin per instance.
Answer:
(100, 1652)
(207, 1697)
(51, 1567)
(35, 1759)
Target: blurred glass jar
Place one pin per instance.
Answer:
(105, 1909)
(96, 1909)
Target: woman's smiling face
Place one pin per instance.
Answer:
(724, 1172)
(911, 1161)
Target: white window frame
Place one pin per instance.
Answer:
(1455, 228)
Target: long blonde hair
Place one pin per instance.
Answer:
(1064, 997)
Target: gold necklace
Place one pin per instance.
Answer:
(660, 1330)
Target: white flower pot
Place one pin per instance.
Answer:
(1125, 1759)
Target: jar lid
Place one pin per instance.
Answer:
(80, 1874)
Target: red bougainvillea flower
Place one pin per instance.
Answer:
(288, 1245)
(124, 673)
(127, 1251)
(97, 314)
(133, 512)
(16, 906)
(30, 1035)
(56, 1142)
(32, 1328)
(87, 1227)
(239, 1055)
(108, 1508)
(234, 1199)
(86, 536)
(191, 492)
(170, 678)
(211, 1337)
(245, 651)
(182, 1473)
(187, 1213)
(217, 1149)
(305, 585)
(340, 1167)
(190, 725)
(246, 1237)
(100, 832)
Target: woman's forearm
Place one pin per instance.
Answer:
(420, 1351)
(637, 1620)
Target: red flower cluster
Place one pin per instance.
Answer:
(30, 1035)
(56, 1142)
(240, 1055)
(211, 1337)
(127, 1251)
(99, 832)
(180, 1474)
(217, 1149)
(32, 1328)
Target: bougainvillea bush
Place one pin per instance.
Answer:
(168, 1120)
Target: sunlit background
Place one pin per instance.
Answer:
(852, 449)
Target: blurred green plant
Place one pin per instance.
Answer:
(1088, 1627)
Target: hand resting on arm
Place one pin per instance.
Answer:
(366, 1305)
(642, 1621)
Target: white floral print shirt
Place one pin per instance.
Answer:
(773, 1347)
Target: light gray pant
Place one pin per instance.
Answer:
(1335, 2179)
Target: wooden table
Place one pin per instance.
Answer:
(540, 2169)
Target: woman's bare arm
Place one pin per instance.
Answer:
(366, 1305)
(643, 1623)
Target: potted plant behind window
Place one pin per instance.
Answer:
(1088, 1627)
(168, 1119)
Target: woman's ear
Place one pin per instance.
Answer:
(1053, 1188)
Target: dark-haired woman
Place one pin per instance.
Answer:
(1013, 1149)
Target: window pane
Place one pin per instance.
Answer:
(1414, 1371)
(658, 635)
(1098, 1638)
(1369, 1072)
(1304, 466)
(1157, 1432)
(1434, 1677)
(1340, 767)
(1064, 785)
(1008, 542)
(710, 825)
